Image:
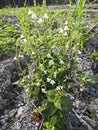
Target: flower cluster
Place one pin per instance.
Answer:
(35, 18)
(65, 29)
(23, 39)
(59, 88)
(52, 82)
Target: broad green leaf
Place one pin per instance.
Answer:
(53, 120)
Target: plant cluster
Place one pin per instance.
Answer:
(52, 40)
(8, 34)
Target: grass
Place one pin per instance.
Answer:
(42, 35)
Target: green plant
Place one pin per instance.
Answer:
(8, 34)
(52, 40)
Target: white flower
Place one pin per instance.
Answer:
(54, 74)
(65, 34)
(43, 90)
(33, 16)
(61, 30)
(59, 88)
(66, 28)
(15, 58)
(66, 22)
(61, 62)
(21, 56)
(22, 36)
(45, 16)
(48, 80)
(33, 53)
(41, 65)
(49, 56)
(45, 71)
(30, 12)
(79, 52)
(52, 82)
(38, 84)
(40, 20)
(59, 69)
(51, 62)
(24, 40)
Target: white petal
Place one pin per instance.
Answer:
(61, 30)
(65, 34)
(45, 16)
(48, 79)
(66, 28)
(51, 62)
(49, 56)
(30, 12)
(52, 82)
(33, 16)
(40, 20)
(66, 22)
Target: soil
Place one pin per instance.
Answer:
(16, 110)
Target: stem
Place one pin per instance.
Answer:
(34, 3)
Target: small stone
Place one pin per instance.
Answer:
(70, 97)
(90, 121)
(80, 105)
(3, 121)
(74, 120)
(12, 113)
(20, 110)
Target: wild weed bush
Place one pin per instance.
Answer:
(52, 40)
(8, 35)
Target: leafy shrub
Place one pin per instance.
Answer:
(8, 34)
(52, 40)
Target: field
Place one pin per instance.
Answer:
(52, 51)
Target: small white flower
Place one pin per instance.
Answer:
(61, 87)
(15, 58)
(79, 52)
(38, 84)
(30, 12)
(45, 16)
(22, 36)
(65, 34)
(52, 82)
(58, 88)
(51, 62)
(74, 48)
(41, 65)
(45, 71)
(61, 30)
(66, 28)
(33, 16)
(49, 56)
(24, 40)
(40, 20)
(66, 22)
(61, 62)
(55, 75)
(43, 90)
(33, 53)
(48, 80)
(59, 69)
(21, 56)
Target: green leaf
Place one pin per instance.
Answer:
(66, 103)
(57, 103)
(53, 120)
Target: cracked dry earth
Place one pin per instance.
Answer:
(16, 110)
